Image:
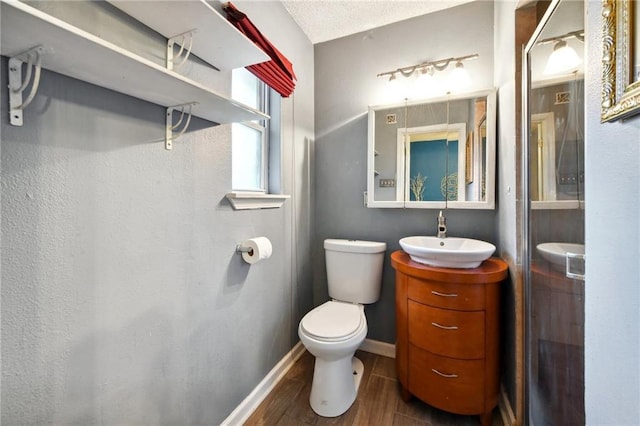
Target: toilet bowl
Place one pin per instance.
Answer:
(332, 333)
(334, 330)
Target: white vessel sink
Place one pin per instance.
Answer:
(556, 253)
(450, 252)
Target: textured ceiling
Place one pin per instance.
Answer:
(324, 20)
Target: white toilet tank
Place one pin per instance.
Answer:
(354, 269)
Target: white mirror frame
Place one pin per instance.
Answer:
(490, 178)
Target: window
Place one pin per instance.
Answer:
(249, 140)
(255, 146)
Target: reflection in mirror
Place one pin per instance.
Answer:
(433, 154)
(542, 157)
(556, 103)
(556, 110)
(554, 215)
(435, 164)
(557, 145)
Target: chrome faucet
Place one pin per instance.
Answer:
(442, 226)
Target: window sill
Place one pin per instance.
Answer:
(255, 200)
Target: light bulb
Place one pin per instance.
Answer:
(563, 59)
(425, 84)
(459, 78)
(394, 88)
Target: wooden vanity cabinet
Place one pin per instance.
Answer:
(448, 334)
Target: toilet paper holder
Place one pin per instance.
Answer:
(243, 249)
(255, 249)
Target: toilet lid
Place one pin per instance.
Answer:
(332, 320)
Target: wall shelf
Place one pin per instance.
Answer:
(214, 36)
(247, 200)
(78, 54)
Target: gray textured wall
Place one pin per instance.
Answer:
(346, 84)
(123, 301)
(612, 244)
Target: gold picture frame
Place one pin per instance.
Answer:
(620, 43)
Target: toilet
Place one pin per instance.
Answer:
(334, 330)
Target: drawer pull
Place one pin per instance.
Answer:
(437, 293)
(448, 376)
(445, 327)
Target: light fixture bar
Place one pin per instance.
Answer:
(439, 65)
(579, 34)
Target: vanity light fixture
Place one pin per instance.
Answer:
(426, 72)
(563, 58)
(460, 77)
(426, 68)
(425, 82)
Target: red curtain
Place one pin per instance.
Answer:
(277, 73)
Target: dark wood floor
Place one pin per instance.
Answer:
(378, 402)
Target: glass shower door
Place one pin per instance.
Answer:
(554, 279)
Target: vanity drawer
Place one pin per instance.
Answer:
(449, 384)
(446, 332)
(462, 297)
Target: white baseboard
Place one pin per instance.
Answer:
(378, 348)
(506, 412)
(253, 400)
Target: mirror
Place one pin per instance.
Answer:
(556, 156)
(436, 153)
(553, 245)
(556, 108)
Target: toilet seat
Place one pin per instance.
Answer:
(333, 321)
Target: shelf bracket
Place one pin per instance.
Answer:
(174, 62)
(184, 109)
(17, 85)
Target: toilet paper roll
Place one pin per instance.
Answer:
(260, 249)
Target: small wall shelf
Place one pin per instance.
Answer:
(215, 40)
(246, 200)
(68, 50)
